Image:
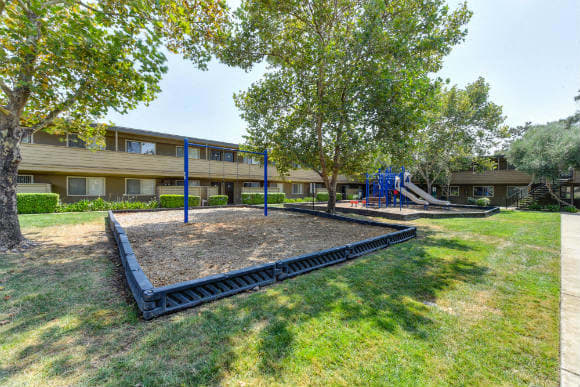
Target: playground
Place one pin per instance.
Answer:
(220, 240)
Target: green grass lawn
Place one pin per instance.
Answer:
(469, 302)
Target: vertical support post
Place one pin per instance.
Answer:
(367, 190)
(265, 182)
(185, 181)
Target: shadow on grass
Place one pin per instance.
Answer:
(85, 314)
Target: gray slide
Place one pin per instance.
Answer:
(425, 195)
(413, 198)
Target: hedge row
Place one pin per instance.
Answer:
(102, 205)
(176, 201)
(323, 196)
(258, 198)
(36, 203)
(218, 200)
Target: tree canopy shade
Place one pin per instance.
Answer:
(65, 63)
(547, 150)
(461, 124)
(346, 79)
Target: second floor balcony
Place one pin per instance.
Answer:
(41, 158)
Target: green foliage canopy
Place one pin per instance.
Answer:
(66, 63)
(547, 150)
(346, 79)
(462, 126)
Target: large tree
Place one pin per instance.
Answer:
(346, 79)
(545, 151)
(65, 63)
(461, 124)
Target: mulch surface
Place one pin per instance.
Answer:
(224, 239)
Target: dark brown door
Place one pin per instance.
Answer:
(230, 192)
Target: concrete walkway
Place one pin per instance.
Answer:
(570, 302)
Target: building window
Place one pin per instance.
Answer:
(296, 189)
(74, 141)
(279, 186)
(85, 186)
(483, 191)
(513, 190)
(28, 137)
(229, 156)
(139, 186)
(450, 191)
(192, 153)
(251, 184)
(24, 179)
(216, 155)
(144, 148)
(251, 160)
(192, 183)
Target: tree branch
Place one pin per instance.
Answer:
(50, 117)
(6, 89)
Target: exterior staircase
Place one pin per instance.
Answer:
(537, 193)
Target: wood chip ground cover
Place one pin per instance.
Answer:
(221, 240)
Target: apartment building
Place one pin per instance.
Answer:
(139, 164)
(503, 182)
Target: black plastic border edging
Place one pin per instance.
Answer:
(486, 211)
(154, 302)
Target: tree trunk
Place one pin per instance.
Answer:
(10, 235)
(331, 207)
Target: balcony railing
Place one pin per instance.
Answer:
(52, 158)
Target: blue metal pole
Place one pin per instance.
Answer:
(367, 190)
(266, 182)
(185, 181)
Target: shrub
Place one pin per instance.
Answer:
(102, 205)
(36, 203)
(482, 202)
(553, 207)
(218, 200)
(323, 196)
(570, 209)
(176, 201)
(471, 201)
(534, 206)
(258, 198)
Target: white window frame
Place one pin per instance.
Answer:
(140, 187)
(251, 184)
(450, 189)
(298, 185)
(127, 141)
(86, 185)
(31, 138)
(31, 178)
(196, 152)
(484, 186)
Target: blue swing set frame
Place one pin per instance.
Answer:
(187, 144)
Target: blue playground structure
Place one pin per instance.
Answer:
(385, 186)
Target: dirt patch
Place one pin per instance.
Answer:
(220, 240)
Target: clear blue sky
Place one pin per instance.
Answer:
(528, 50)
